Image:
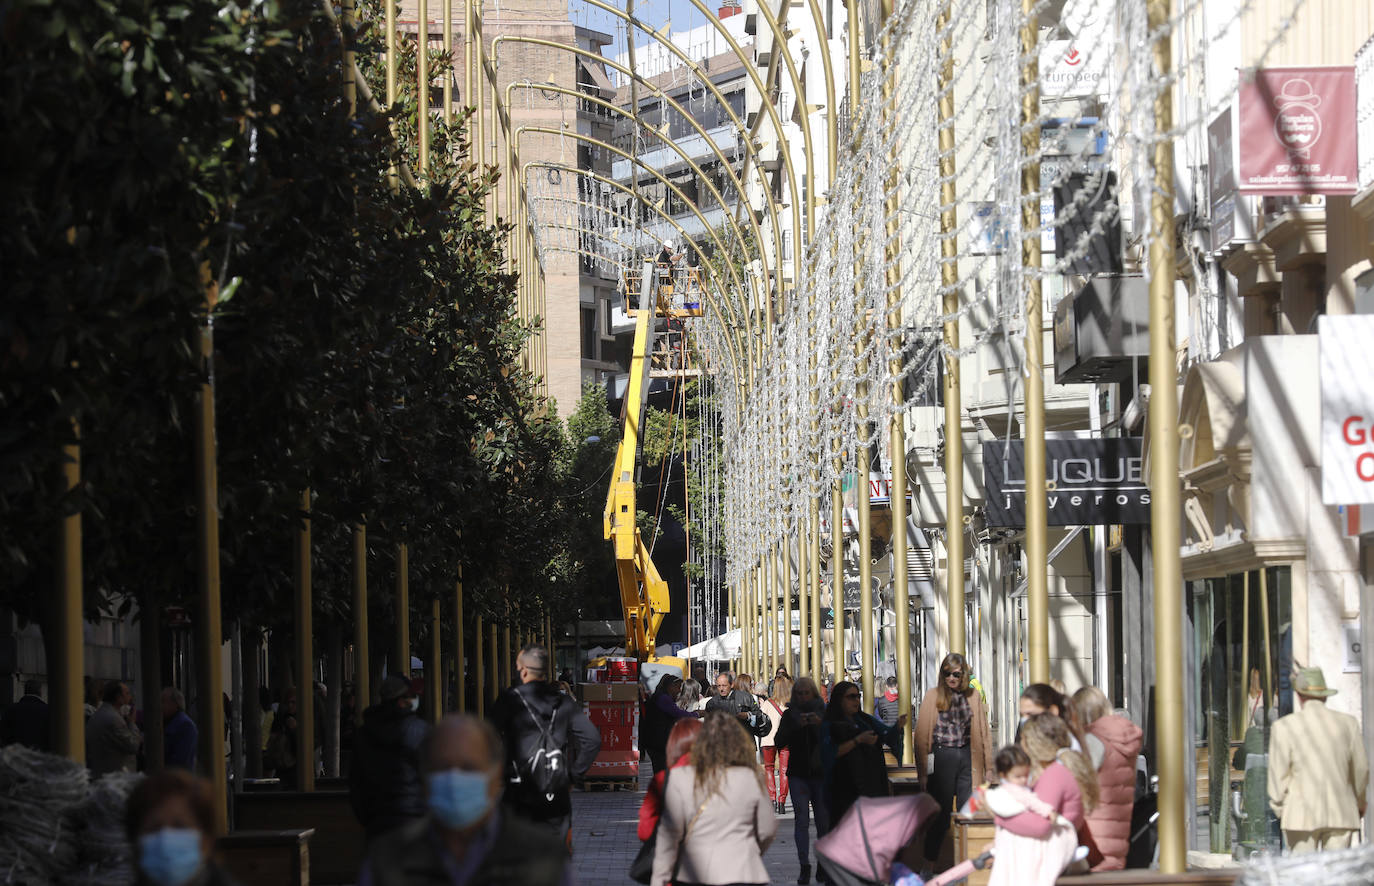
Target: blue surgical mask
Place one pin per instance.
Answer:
(458, 798)
(171, 856)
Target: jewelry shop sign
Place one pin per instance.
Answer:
(1089, 482)
(1346, 367)
(1297, 131)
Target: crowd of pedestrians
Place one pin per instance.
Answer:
(474, 801)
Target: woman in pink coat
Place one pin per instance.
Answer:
(1109, 825)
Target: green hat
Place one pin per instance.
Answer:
(1312, 683)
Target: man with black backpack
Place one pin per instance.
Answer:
(549, 744)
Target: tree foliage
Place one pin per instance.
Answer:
(367, 345)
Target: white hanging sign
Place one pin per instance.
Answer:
(1070, 68)
(1347, 428)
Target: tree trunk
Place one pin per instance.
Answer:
(150, 663)
(252, 708)
(333, 651)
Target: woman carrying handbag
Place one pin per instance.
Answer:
(717, 820)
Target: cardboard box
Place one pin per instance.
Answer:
(613, 713)
(608, 692)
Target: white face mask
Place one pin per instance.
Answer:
(414, 703)
(124, 710)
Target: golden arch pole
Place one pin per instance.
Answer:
(1164, 480)
(715, 193)
(1037, 519)
(362, 676)
(785, 637)
(70, 739)
(750, 149)
(772, 113)
(949, 280)
(433, 670)
(479, 667)
(897, 489)
(460, 667)
(732, 340)
(400, 663)
(513, 146)
(305, 652)
(606, 146)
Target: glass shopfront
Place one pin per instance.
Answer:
(1243, 656)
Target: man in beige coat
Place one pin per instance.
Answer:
(1317, 770)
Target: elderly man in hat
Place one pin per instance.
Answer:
(384, 775)
(1317, 770)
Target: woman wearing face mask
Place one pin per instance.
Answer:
(954, 748)
(169, 819)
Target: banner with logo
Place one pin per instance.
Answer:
(1346, 366)
(1297, 131)
(1090, 482)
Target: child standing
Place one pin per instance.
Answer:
(1018, 859)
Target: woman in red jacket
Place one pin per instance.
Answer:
(1109, 825)
(680, 741)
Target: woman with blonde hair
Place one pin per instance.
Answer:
(954, 747)
(1065, 780)
(1109, 824)
(775, 758)
(716, 821)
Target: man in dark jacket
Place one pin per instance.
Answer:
(26, 721)
(533, 717)
(467, 837)
(739, 704)
(384, 780)
(179, 733)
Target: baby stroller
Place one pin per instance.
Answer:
(859, 850)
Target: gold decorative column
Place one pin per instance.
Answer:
(1165, 494)
(1037, 512)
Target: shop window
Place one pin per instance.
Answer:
(1243, 647)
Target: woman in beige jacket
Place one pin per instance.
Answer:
(952, 732)
(717, 819)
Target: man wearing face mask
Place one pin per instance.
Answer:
(112, 739)
(468, 838)
(384, 780)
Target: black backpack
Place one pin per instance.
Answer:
(544, 769)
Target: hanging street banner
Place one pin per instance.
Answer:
(1346, 364)
(1298, 131)
(1091, 482)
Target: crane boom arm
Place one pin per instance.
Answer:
(643, 592)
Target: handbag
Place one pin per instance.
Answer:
(642, 868)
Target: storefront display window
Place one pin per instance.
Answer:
(1242, 625)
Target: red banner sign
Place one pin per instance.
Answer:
(1298, 132)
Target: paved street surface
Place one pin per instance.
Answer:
(604, 841)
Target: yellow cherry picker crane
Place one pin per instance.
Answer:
(643, 592)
